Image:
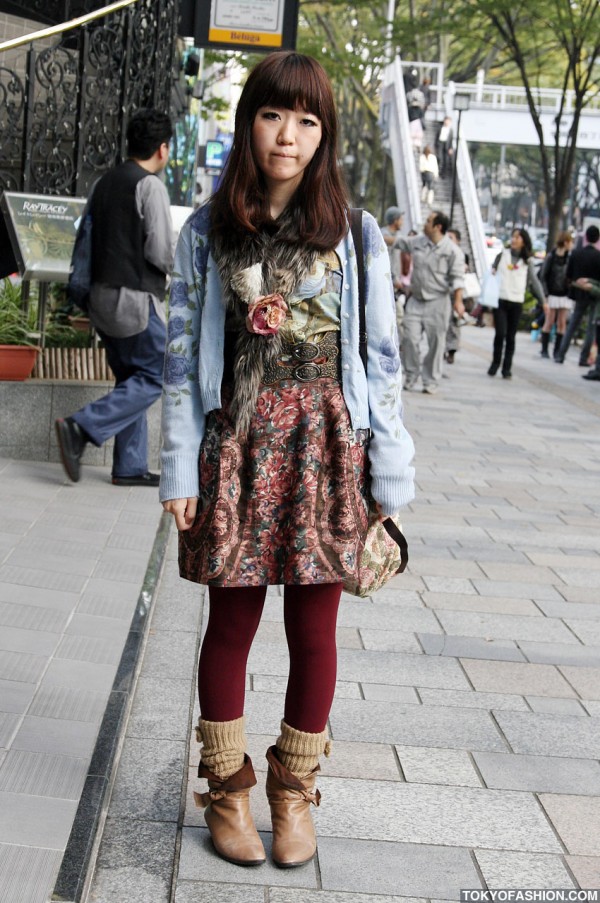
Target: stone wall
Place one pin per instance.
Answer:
(30, 408)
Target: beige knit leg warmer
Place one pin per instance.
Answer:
(299, 751)
(223, 745)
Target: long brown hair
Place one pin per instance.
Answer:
(319, 206)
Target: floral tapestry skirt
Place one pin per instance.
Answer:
(288, 503)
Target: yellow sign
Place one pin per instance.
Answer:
(247, 38)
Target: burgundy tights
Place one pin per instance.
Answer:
(310, 616)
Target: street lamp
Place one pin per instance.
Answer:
(460, 102)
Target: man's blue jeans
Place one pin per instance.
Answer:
(137, 363)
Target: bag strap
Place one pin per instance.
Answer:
(357, 236)
(397, 535)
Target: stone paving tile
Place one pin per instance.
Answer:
(551, 735)
(577, 821)
(586, 870)
(570, 610)
(582, 577)
(577, 594)
(550, 706)
(160, 709)
(35, 821)
(470, 699)
(404, 695)
(502, 869)
(21, 666)
(560, 559)
(38, 774)
(380, 617)
(397, 869)
(8, 725)
(585, 680)
(499, 605)
(60, 738)
(114, 629)
(89, 649)
(169, 653)
(38, 597)
(68, 704)
(32, 617)
(425, 765)
(398, 669)
(343, 689)
(135, 862)
(508, 627)
(148, 782)
(540, 774)
(34, 642)
(295, 895)
(517, 677)
(208, 892)
(516, 589)
(274, 632)
(28, 576)
(197, 858)
(449, 585)
(26, 873)
(561, 653)
(522, 573)
(592, 707)
(447, 816)
(470, 647)
(588, 631)
(445, 567)
(74, 675)
(15, 696)
(412, 725)
(498, 552)
(389, 640)
(79, 565)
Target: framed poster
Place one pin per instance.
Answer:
(42, 230)
(246, 24)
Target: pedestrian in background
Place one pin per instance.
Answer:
(453, 333)
(437, 279)
(593, 287)
(428, 167)
(584, 263)
(132, 254)
(444, 147)
(273, 432)
(516, 269)
(399, 266)
(553, 277)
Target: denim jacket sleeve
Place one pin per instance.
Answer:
(391, 449)
(183, 417)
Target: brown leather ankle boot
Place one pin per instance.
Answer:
(227, 815)
(294, 838)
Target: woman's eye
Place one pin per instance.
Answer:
(271, 115)
(308, 122)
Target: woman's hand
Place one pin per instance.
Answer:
(183, 510)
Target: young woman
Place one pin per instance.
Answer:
(517, 273)
(554, 281)
(428, 167)
(274, 434)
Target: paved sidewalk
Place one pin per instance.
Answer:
(466, 724)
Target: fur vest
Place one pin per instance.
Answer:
(270, 262)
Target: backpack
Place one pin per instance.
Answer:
(557, 275)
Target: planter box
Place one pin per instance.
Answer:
(17, 361)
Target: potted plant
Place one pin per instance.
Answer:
(18, 345)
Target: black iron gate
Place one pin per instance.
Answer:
(64, 108)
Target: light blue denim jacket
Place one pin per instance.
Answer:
(194, 363)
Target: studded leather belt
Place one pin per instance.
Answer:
(306, 361)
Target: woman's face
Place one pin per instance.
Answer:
(516, 242)
(283, 143)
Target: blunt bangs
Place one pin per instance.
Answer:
(290, 81)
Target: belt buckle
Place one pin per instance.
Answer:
(305, 373)
(305, 351)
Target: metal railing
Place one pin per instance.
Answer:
(511, 97)
(396, 130)
(63, 26)
(471, 208)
